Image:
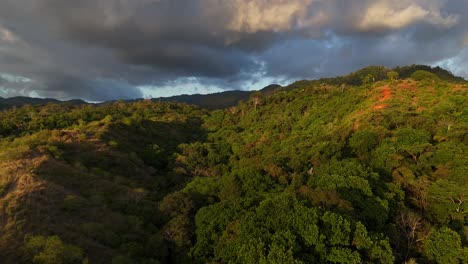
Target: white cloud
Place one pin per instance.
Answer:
(400, 14)
(7, 36)
(457, 64)
(269, 15)
(309, 15)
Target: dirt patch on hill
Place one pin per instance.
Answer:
(460, 87)
(356, 125)
(385, 94)
(405, 84)
(380, 106)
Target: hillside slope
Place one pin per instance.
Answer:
(316, 172)
(390, 155)
(90, 175)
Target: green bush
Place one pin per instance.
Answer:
(51, 250)
(424, 76)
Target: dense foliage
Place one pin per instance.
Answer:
(365, 168)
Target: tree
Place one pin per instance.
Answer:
(368, 79)
(256, 98)
(443, 246)
(410, 224)
(363, 142)
(448, 200)
(392, 75)
(413, 142)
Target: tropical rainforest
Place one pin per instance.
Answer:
(370, 167)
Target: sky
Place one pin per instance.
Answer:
(100, 50)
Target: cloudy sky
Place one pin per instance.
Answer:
(118, 49)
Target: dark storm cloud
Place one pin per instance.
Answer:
(63, 86)
(105, 49)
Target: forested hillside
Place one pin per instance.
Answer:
(366, 168)
(20, 101)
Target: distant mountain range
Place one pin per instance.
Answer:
(208, 101)
(19, 101)
(218, 100)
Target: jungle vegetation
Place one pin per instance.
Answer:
(365, 168)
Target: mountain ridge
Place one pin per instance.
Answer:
(231, 98)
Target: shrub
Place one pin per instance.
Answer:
(52, 250)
